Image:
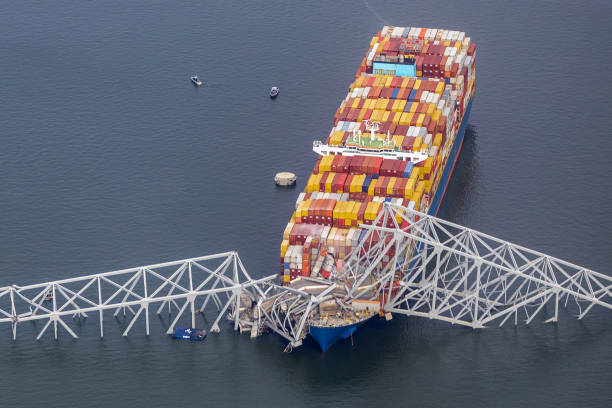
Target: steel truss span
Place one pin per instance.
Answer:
(411, 263)
(218, 282)
(423, 266)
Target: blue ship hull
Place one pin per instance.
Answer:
(327, 336)
(450, 164)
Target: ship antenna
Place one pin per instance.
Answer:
(372, 127)
(388, 137)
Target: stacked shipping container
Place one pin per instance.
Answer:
(416, 83)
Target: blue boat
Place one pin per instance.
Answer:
(189, 333)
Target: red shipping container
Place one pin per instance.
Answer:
(471, 49)
(316, 166)
(334, 165)
(431, 126)
(386, 93)
(385, 167)
(408, 143)
(354, 164)
(341, 181)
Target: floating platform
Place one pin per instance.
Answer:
(285, 179)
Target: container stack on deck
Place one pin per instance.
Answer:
(416, 83)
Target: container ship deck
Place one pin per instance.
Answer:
(395, 137)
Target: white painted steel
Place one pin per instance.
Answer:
(448, 272)
(134, 290)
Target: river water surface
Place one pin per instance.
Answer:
(110, 158)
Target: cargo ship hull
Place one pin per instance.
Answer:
(450, 166)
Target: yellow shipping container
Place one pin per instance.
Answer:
(439, 88)
(419, 73)
(424, 147)
(399, 105)
(381, 103)
(386, 115)
(288, 229)
(355, 103)
(417, 84)
(355, 210)
(392, 181)
(310, 183)
(371, 103)
(398, 140)
(420, 188)
(326, 163)
(306, 208)
(377, 115)
(371, 188)
(388, 82)
(405, 82)
(417, 144)
(413, 107)
(328, 182)
(437, 139)
(373, 42)
(286, 278)
(446, 43)
(409, 189)
(458, 46)
(415, 173)
(369, 210)
(416, 196)
(428, 165)
(436, 115)
(420, 119)
(360, 180)
(397, 118)
(405, 119)
(410, 115)
(362, 113)
(296, 217)
(431, 108)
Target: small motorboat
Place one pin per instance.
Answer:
(274, 91)
(48, 295)
(189, 333)
(196, 81)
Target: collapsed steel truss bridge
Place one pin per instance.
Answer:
(412, 263)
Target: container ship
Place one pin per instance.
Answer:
(396, 137)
